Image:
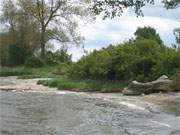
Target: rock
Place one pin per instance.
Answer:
(163, 84)
(163, 77)
(176, 82)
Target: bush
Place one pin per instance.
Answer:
(62, 69)
(34, 62)
(18, 53)
(141, 59)
(62, 56)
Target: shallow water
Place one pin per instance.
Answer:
(61, 113)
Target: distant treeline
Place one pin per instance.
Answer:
(144, 58)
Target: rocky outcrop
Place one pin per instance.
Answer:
(176, 82)
(163, 84)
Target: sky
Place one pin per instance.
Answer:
(100, 33)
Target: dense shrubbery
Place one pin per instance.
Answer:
(14, 54)
(34, 62)
(143, 59)
(60, 56)
(62, 68)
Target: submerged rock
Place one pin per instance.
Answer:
(163, 84)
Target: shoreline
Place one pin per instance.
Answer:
(166, 101)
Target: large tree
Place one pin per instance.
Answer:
(20, 30)
(53, 19)
(56, 18)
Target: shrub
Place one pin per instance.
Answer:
(62, 68)
(34, 62)
(62, 56)
(18, 53)
(141, 59)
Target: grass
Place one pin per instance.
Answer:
(7, 71)
(29, 76)
(61, 81)
(65, 83)
(28, 73)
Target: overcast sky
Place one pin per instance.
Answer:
(101, 33)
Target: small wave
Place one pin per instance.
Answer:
(61, 92)
(133, 106)
(161, 124)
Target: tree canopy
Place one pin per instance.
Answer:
(148, 33)
(113, 8)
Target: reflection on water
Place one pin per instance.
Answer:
(73, 114)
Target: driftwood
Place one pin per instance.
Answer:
(163, 84)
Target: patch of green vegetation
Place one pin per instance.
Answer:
(29, 76)
(34, 62)
(144, 59)
(29, 73)
(65, 83)
(7, 71)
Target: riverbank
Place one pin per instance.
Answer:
(169, 102)
(62, 80)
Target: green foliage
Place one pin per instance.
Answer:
(171, 4)
(18, 54)
(144, 59)
(60, 56)
(65, 83)
(148, 33)
(29, 76)
(113, 8)
(94, 64)
(29, 73)
(6, 71)
(34, 62)
(62, 68)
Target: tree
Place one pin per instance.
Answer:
(177, 45)
(148, 33)
(51, 19)
(56, 19)
(113, 8)
(20, 30)
(171, 4)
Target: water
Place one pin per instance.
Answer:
(61, 113)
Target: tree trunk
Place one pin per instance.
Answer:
(43, 43)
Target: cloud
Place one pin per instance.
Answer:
(117, 30)
(102, 33)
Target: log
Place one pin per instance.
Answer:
(162, 84)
